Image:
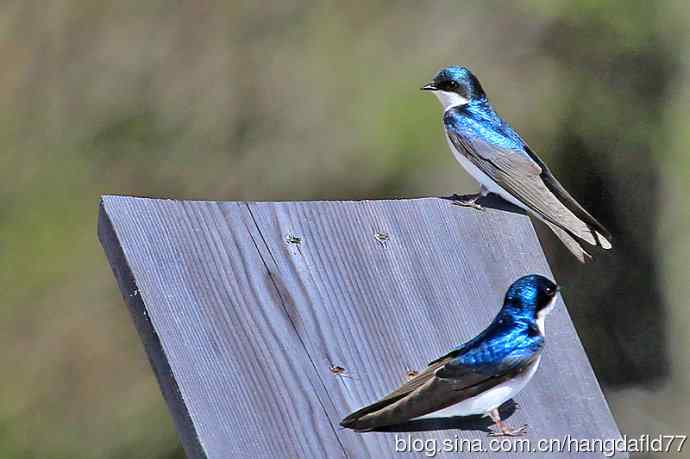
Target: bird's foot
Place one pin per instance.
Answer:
(411, 374)
(467, 201)
(505, 431)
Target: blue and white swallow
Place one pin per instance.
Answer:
(502, 162)
(478, 376)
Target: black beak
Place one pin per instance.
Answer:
(429, 87)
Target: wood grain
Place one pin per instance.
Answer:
(245, 308)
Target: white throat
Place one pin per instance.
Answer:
(541, 315)
(450, 99)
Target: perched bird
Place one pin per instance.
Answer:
(500, 160)
(479, 375)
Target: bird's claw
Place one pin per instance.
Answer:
(506, 432)
(468, 203)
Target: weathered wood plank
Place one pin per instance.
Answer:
(235, 360)
(253, 302)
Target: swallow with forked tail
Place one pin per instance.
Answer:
(502, 162)
(478, 376)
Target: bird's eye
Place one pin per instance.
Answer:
(549, 291)
(452, 84)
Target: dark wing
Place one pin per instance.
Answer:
(570, 242)
(355, 421)
(534, 186)
(443, 383)
(556, 188)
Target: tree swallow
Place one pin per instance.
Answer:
(503, 164)
(478, 376)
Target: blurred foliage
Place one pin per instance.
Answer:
(303, 100)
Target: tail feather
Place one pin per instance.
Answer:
(571, 243)
(604, 241)
(357, 420)
(602, 236)
(371, 416)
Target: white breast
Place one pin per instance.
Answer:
(450, 99)
(492, 398)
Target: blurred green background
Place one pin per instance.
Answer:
(290, 100)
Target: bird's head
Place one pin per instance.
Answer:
(455, 86)
(531, 297)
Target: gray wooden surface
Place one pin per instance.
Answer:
(245, 308)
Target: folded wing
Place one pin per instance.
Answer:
(534, 185)
(445, 382)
